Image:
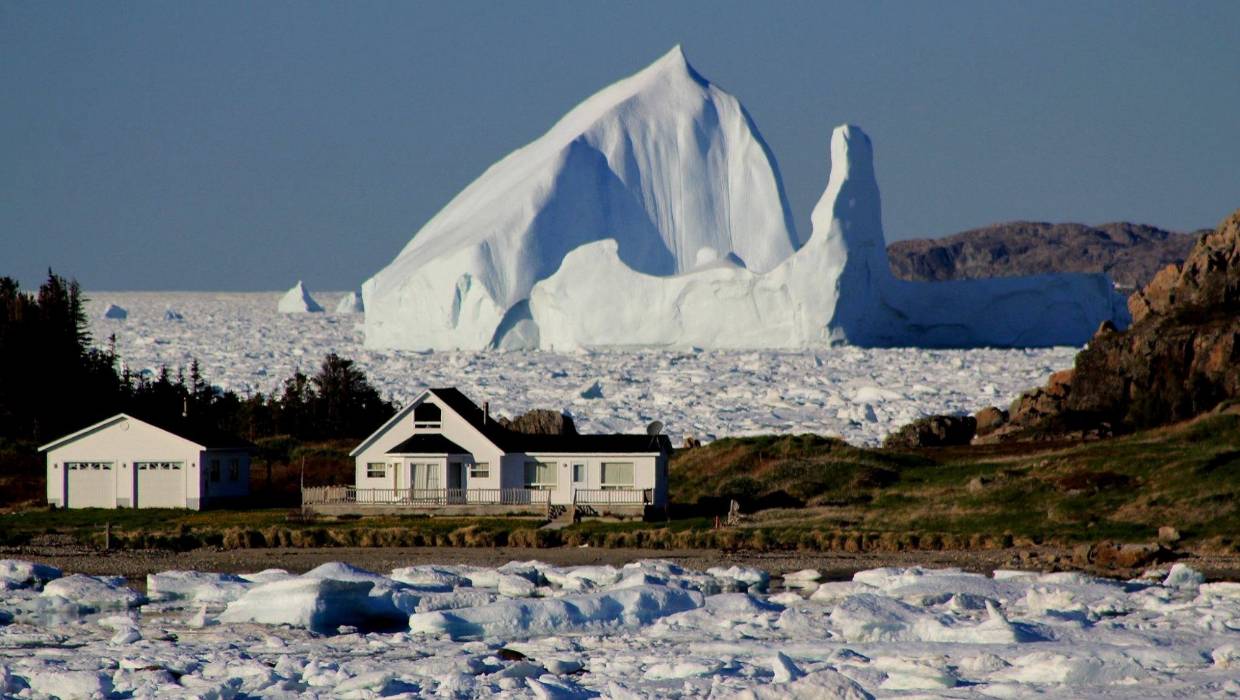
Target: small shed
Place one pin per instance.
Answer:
(127, 462)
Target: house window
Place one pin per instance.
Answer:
(479, 470)
(234, 469)
(215, 470)
(579, 473)
(617, 475)
(158, 466)
(540, 475)
(376, 470)
(427, 415)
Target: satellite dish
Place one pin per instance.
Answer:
(655, 428)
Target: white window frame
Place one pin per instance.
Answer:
(88, 466)
(582, 478)
(480, 470)
(152, 466)
(616, 485)
(550, 468)
(371, 468)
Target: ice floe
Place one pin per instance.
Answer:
(648, 629)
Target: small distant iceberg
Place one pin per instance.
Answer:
(171, 314)
(298, 301)
(351, 303)
(115, 313)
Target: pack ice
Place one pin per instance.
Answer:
(647, 629)
(662, 182)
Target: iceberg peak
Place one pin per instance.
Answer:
(662, 162)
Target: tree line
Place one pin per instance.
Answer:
(54, 380)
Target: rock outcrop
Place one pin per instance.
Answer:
(541, 421)
(1130, 254)
(934, 431)
(1180, 358)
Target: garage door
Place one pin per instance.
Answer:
(160, 484)
(91, 484)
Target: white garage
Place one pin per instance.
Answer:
(126, 462)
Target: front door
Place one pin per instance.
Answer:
(457, 480)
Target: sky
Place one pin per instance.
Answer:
(243, 146)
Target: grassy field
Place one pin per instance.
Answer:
(801, 492)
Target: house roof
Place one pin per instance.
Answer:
(590, 444)
(512, 441)
(428, 444)
(206, 438)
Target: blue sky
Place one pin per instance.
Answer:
(242, 146)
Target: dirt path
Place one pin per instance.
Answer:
(135, 565)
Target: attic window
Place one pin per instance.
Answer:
(427, 415)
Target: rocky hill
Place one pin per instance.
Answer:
(1179, 359)
(1129, 253)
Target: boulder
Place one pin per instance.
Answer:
(990, 419)
(541, 421)
(1115, 555)
(934, 431)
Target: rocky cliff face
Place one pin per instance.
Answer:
(1130, 253)
(1180, 358)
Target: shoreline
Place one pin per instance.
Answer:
(834, 566)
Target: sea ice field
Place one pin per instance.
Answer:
(647, 629)
(243, 343)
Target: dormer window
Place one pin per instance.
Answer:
(427, 415)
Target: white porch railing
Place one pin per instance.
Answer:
(613, 497)
(351, 495)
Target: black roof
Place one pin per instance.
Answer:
(208, 436)
(611, 443)
(512, 441)
(428, 444)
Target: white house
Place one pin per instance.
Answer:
(442, 452)
(125, 462)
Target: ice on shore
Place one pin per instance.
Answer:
(317, 604)
(648, 629)
(15, 573)
(590, 613)
(197, 586)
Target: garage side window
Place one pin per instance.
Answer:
(234, 469)
(376, 470)
(215, 470)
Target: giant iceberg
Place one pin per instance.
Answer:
(664, 163)
(653, 215)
